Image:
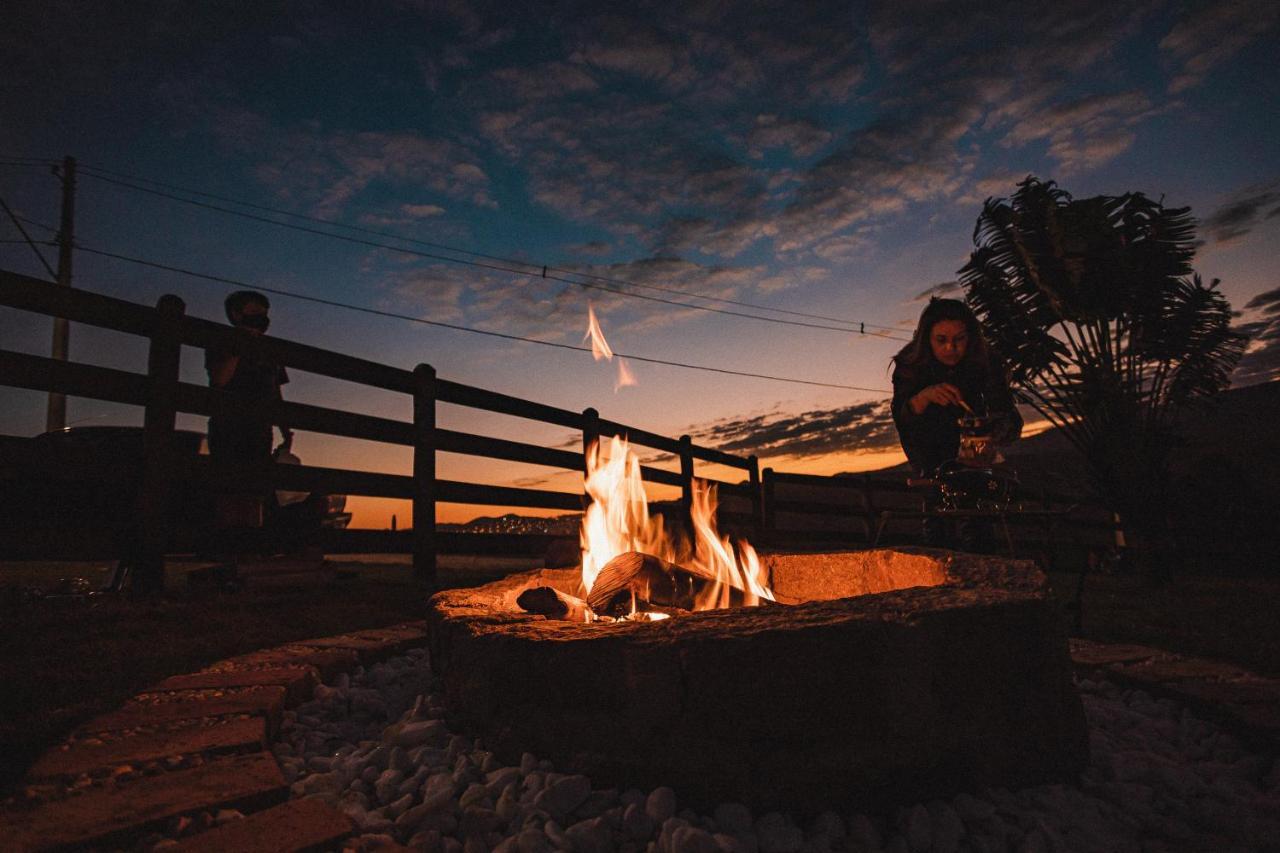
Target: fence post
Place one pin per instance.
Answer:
(424, 472)
(686, 480)
(757, 505)
(590, 438)
(160, 415)
(769, 517)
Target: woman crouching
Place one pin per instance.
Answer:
(946, 372)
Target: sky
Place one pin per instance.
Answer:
(825, 159)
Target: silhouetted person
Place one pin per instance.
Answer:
(241, 442)
(946, 368)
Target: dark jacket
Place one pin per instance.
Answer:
(933, 436)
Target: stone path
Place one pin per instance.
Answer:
(1248, 705)
(190, 747)
(195, 745)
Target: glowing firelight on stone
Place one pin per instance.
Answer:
(618, 521)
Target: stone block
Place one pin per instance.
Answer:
(265, 702)
(114, 814)
(1158, 670)
(297, 681)
(1086, 653)
(327, 662)
(911, 692)
(228, 736)
(295, 826)
(372, 645)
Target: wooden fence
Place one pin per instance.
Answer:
(163, 395)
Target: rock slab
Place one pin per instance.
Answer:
(104, 815)
(227, 736)
(308, 824)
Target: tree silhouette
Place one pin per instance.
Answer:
(1107, 332)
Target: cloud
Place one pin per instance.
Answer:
(592, 247)
(800, 136)
(421, 211)
(945, 288)
(862, 426)
(1209, 34)
(1232, 221)
(1261, 360)
(327, 171)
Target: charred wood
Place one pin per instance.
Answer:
(634, 580)
(552, 603)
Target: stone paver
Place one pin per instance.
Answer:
(265, 702)
(71, 760)
(298, 681)
(1087, 653)
(111, 814)
(308, 824)
(1181, 669)
(373, 645)
(327, 662)
(1241, 701)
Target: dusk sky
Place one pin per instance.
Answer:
(827, 159)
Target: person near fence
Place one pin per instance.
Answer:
(240, 442)
(945, 372)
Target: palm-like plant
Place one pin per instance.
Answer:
(1106, 331)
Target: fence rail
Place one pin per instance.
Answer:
(163, 395)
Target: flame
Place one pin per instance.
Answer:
(599, 346)
(618, 521)
(601, 351)
(625, 376)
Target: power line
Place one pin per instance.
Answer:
(391, 314)
(27, 237)
(532, 269)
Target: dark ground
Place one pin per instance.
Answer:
(65, 660)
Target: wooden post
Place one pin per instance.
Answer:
(157, 447)
(686, 480)
(757, 505)
(769, 517)
(56, 414)
(590, 438)
(424, 472)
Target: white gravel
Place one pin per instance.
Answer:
(376, 746)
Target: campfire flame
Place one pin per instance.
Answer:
(618, 521)
(601, 351)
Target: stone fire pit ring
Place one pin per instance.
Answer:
(884, 676)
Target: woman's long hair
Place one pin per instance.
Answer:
(919, 352)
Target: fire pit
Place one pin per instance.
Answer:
(892, 676)
(797, 681)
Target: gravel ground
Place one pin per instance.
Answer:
(376, 745)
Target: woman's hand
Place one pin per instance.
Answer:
(942, 394)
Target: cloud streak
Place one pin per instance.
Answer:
(863, 426)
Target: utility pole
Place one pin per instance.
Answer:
(57, 412)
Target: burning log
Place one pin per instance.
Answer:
(652, 584)
(552, 603)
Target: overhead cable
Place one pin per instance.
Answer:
(492, 262)
(17, 221)
(489, 333)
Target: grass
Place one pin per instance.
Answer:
(66, 660)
